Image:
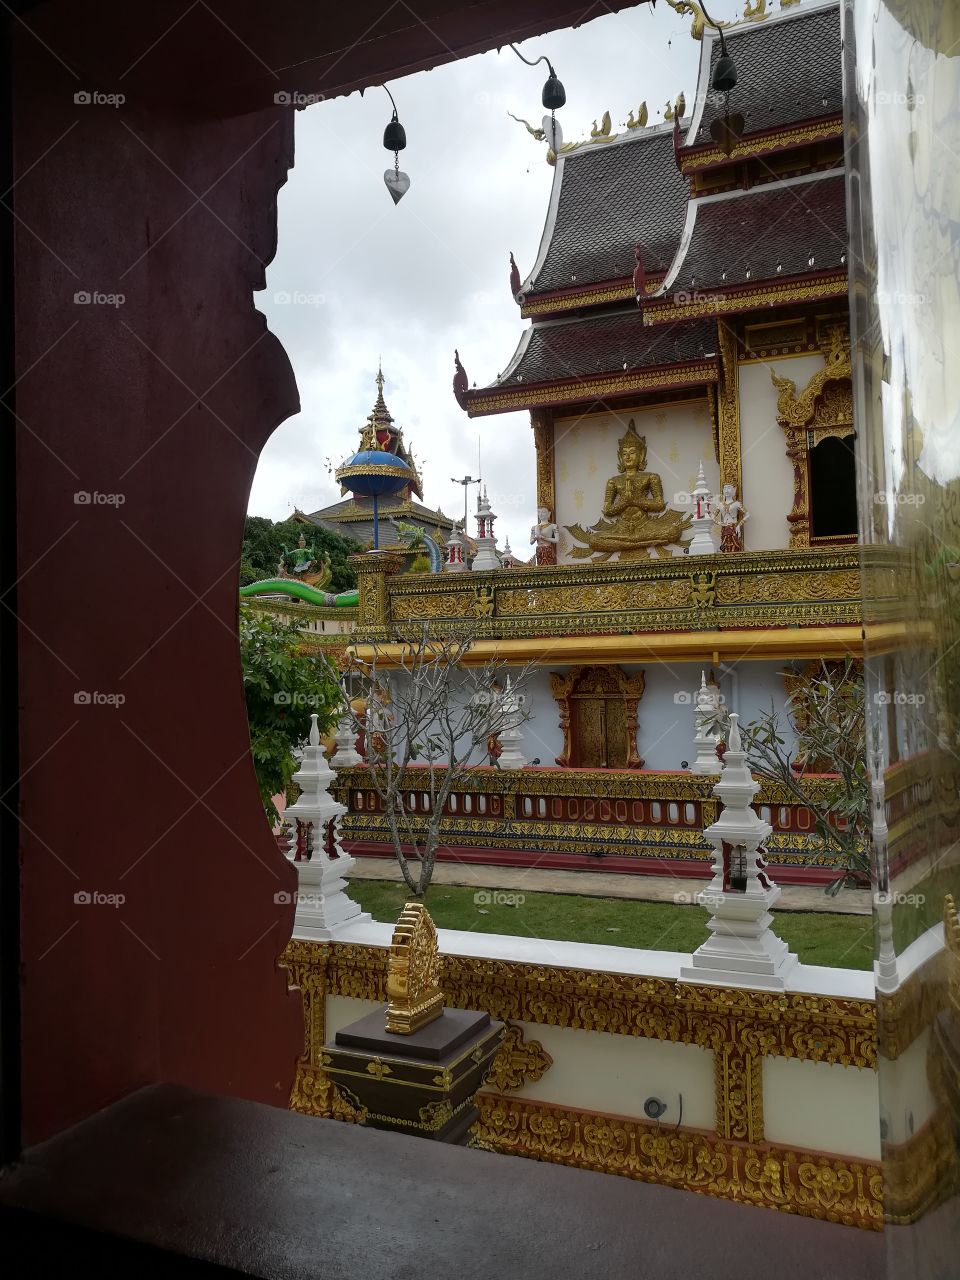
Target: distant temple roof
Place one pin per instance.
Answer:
(353, 518)
(605, 199)
(788, 70)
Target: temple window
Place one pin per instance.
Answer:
(833, 489)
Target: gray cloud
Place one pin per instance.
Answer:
(408, 283)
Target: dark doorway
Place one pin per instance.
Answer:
(833, 489)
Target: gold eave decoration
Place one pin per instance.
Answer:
(771, 293)
(604, 386)
(589, 295)
(753, 146)
(413, 972)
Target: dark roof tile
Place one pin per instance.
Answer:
(787, 71)
(766, 232)
(613, 195)
(582, 348)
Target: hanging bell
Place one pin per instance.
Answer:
(554, 95)
(725, 73)
(394, 136)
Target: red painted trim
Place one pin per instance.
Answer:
(689, 869)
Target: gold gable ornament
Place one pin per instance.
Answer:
(413, 972)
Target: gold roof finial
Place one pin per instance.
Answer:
(700, 19)
(756, 11)
(413, 972)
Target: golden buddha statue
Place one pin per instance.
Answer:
(635, 520)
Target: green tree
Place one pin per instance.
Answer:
(263, 543)
(282, 687)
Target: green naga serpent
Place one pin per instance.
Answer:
(308, 586)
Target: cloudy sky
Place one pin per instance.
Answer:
(366, 279)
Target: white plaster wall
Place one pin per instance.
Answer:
(822, 1106)
(665, 721)
(585, 457)
(906, 1100)
(767, 472)
(596, 1071)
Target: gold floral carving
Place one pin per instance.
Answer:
(596, 682)
(922, 1172)
(775, 1177)
(585, 298)
(740, 1027)
(372, 569)
(754, 298)
(543, 438)
(704, 157)
(517, 1061)
(728, 408)
(775, 588)
(824, 408)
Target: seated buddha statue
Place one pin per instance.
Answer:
(634, 516)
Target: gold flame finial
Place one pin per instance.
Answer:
(413, 972)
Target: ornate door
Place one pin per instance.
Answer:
(598, 717)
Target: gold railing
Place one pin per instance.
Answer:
(629, 813)
(755, 590)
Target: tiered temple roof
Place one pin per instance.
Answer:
(585, 246)
(353, 517)
(750, 216)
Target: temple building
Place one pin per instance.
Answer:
(402, 517)
(686, 367)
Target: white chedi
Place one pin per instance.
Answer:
(486, 556)
(742, 950)
(702, 517)
(322, 903)
(511, 735)
(706, 762)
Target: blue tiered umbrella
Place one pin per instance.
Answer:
(375, 473)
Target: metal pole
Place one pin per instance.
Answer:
(376, 522)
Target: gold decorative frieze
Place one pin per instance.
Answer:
(922, 1172)
(774, 1177)
(739, 1026)
(518, 1060)
(599, 387)
(813, 1028)
(695, 159)
(801, 587)
(734, 300)
(728, 408)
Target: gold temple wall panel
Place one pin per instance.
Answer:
(642, 599)
(738, 1028)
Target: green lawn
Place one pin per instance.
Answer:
(842, 941)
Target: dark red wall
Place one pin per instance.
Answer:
(154, 799)
(166, 400)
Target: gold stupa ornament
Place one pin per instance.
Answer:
(635, 520)
(413, 972)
